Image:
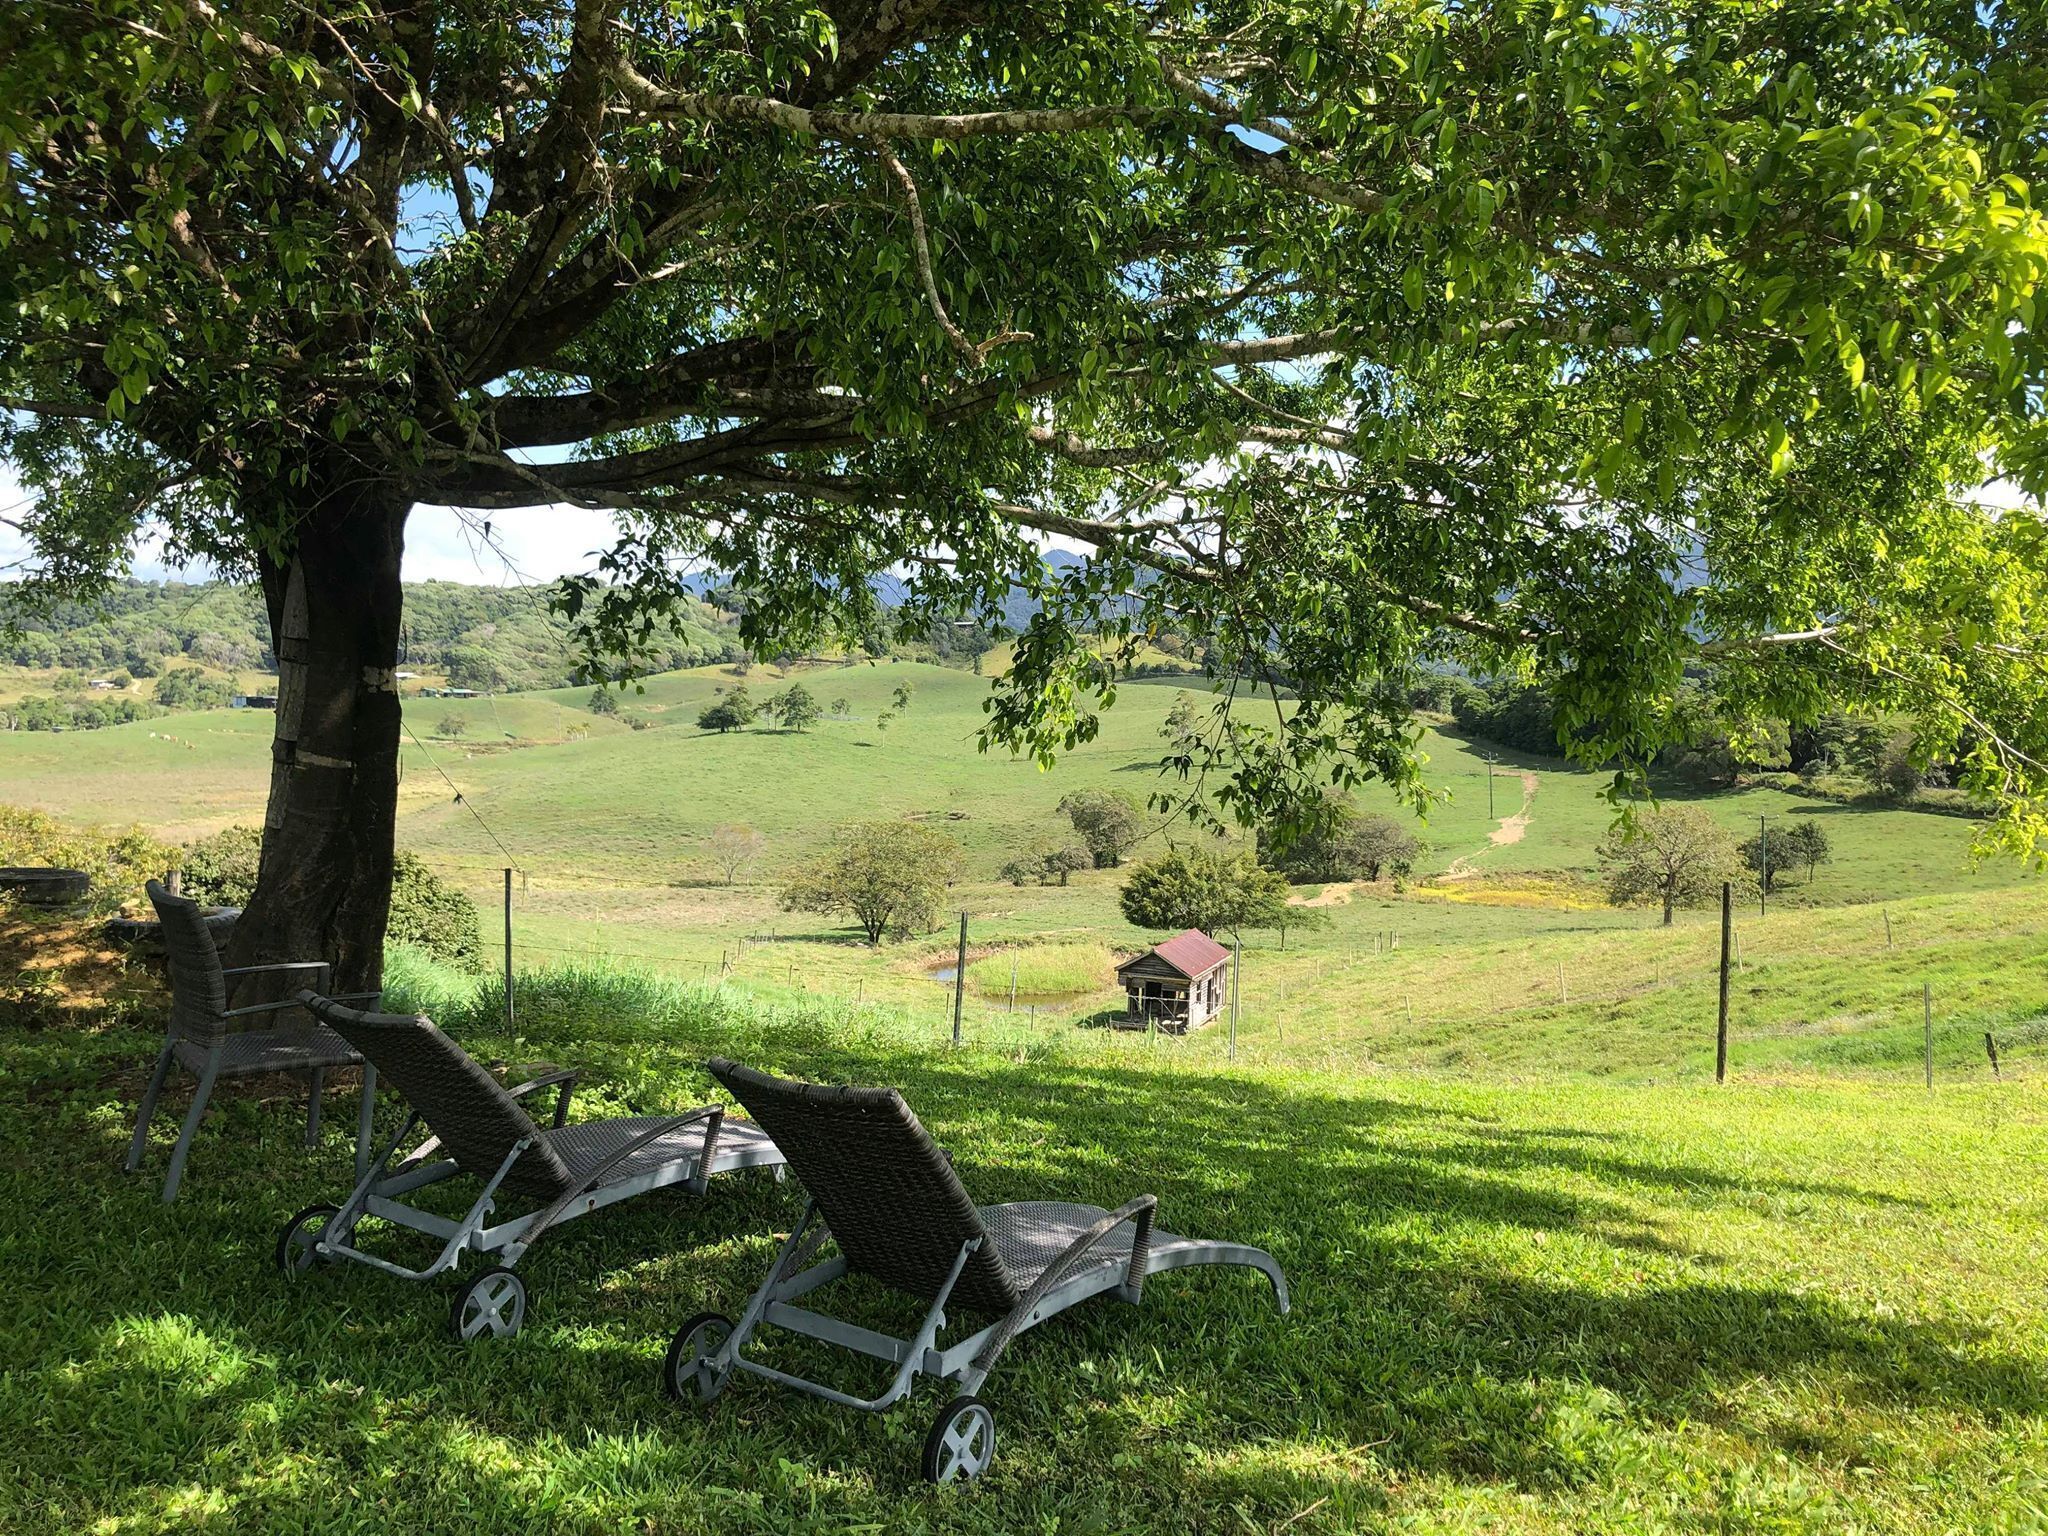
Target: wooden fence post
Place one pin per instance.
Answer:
(1991, 1050)
(1236, 992)
(1927, 1027)
(508, 951)
(1887, 927)
(1727, 948)
(960, 979)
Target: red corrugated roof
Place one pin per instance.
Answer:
(1192, 953)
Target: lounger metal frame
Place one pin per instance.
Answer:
(376, 1194)
(969, 1361)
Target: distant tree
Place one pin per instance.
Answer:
(453, 725)
(1340, 844)
(1770, 855)
(1064, 859)
(721, 716)
(841, 707)
(900, 696)
(471, 666)
(1212, 889)
(604, 702)
(885, 719)
(1109, 821)
(190, 688)
(1181, 730)
(1281, 914)
(1718, 743)
(735, 848)
(1380, 844)
(1894, 771)
(889, 875)
(1678, 857)
(1022, 870)
(743, 706)
(1810, 845)
(1838, 742)
(797, 708)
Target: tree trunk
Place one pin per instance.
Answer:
(323, 888)
(1669, 898)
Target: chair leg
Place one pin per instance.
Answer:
(192, 1116)
(313, 1092)
(156, 1086)
(366, 1116)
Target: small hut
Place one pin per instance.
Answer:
(1178, 984)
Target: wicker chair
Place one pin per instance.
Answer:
(480, 1127)
(205, 1039)
(887, 1196)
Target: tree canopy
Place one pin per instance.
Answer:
(1677, 857)
(889, 875)
(1574, 339)
(1214, 889)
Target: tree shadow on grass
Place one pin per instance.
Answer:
(1479, 1304)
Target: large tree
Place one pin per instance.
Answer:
(1350, 335)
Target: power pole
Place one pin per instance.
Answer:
(1489, 786)
(1763, 856)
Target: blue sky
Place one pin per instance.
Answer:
(536, 544)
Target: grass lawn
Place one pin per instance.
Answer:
(1546, 1306)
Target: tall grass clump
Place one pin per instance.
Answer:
(1043, 970)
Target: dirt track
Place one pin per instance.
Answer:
(1510, 831)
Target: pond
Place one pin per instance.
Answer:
(1042, 1002)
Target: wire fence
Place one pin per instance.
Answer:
(1382, 991)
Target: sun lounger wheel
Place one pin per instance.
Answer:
(962, 1442)
(493, 1305)
(688, 1372)
(295, 1254)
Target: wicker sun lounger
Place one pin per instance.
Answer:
(207, 1039)
(887, 1196)
(481, 1128)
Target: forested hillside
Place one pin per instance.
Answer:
(488, 638)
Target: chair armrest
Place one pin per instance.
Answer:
(282, 965)
(714, 1113)
(355, 997)
(562, 1077)
(277, 1007)
(1138, 1211)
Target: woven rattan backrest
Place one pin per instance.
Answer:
(199, 992)
(883, 1186)
(477, 1120)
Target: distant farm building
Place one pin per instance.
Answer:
(1178, 985)
(253, 701)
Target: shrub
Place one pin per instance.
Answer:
(118, 861)
(432, 915)
(220, 870)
